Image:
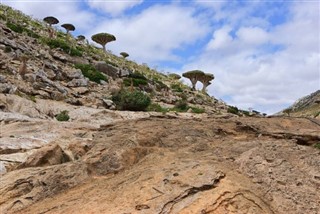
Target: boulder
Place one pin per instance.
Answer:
(46, 156)
(3, 79)
(78, 83)
(73, 74)
(124, 72)
(107, 69)
(59, 56)
(7, 88)
(108, 103)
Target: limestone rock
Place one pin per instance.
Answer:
(107, 69)
(7, 88)
(78, 83)
(46, 156)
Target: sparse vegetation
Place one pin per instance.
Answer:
(317, 145)
(14, 27)
(59, 43)
(233, 110)
(157, 108)
(176, 87)
(197, 110)
(91, 73)
(181, 105)
(132, 101)
(63, 116)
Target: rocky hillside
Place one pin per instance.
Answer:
(67, 144)
(36, 66)
(308, 106)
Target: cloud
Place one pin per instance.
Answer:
(113, 7)
(221, 39)
(154, 34)
(251, 72)
(252, 35)
(64, 12)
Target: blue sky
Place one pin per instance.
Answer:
(264, 54)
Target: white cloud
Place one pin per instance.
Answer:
(152, 35)
(252, 35)
(265, 79)
(113, 7)
(221, 39)
(65, 12)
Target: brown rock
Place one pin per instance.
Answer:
(46, 156)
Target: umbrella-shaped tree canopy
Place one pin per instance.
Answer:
(81, 37)
(51, 20)
(124, 54)
(193, 76)
(103, 39)
(68, 27)
(174, 76)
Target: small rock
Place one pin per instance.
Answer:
(108, 103)
(78, 83)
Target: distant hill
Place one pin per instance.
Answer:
(308, 106)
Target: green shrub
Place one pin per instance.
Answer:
(2, 17)
(137, 75)
(136, 82)
(60, 43)
(31, 33)
(14, 27)
(63, 116)
(159, 84)
(20, 29)
(317, 145)
(181, 105)
(176, 87)
(197, 110)
(233, 110)
(91, 73)
(247, 113)
(157, 108)
(132, 101)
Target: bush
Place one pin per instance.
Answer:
(233, 110)
(60, 43)
(181, 105)
(132, 101)
(197, 110)
(136, 82)
(157, 108)
(137, 75)
(176, 87)
(14, 27)
(20, 29)
(63, 116)
(91, 73)
(317, 145)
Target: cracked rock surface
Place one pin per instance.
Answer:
(165, 164)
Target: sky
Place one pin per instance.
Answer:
(264, 54)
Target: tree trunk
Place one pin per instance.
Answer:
(205, 85)
(104, 48)
(193, 82)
